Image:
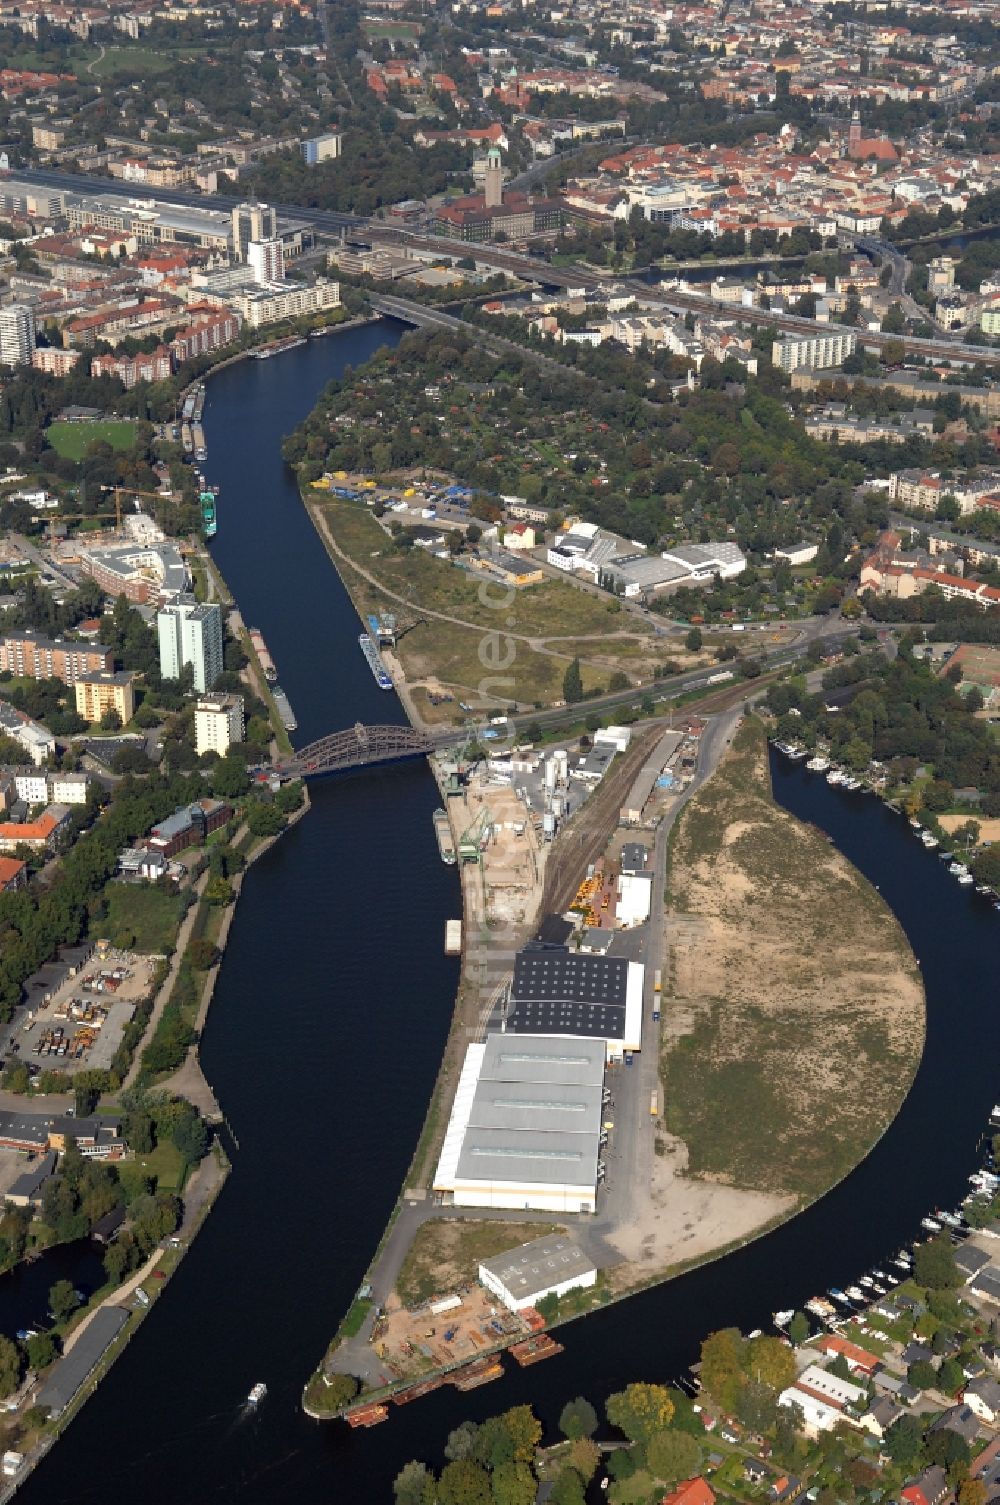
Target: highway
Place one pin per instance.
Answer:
(527, 268)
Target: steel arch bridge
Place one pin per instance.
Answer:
(359, 746)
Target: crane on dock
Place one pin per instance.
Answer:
(475, 837)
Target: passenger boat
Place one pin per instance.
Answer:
(257, 1394)
(374, 661)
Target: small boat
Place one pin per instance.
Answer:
(257, 1394)
(881, 1275)
(878, 1288)
(966, 878)
(931, 1225)
(818, 764)
(904, 1264)
(835, 776)
(929, 841)
(856, 1293)
(838, 1295)
(983, 888)
(946, 856)
(915, 823)
(820, 1307)
(950, 1219)
(782, 1319)
(957, 867)
(867, 1282)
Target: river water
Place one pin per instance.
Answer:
(324, 1038)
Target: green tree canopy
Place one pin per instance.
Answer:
(640, 1410)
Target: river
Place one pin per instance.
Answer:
(323, 1042)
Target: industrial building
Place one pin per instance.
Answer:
(544, 1267)
(218, 723)
(191, 634)
(563, 993)
(526, 1125)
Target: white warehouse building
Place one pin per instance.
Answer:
(544, 1267)
(525, 1126)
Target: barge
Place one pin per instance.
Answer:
(366, 1416)
(445, 840)
(285, 711)
(264, 658)
(453, 938)
(534, 1350)
(375, 664)
(479, 1372)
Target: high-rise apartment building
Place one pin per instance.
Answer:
(218, 723)
(266, 261)
(17, 335)
(29, 655)
(252, 222)
(323, 148)
(190, 634)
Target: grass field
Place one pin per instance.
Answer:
(447, 1254)
(794, 1016)
(141, 918)
(142, 61)
(71, 439)
(165, 1164)
(456, 653)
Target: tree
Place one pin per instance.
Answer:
(513, 1484)
(769, 1362)
(904, 1441)
(568, 1488)
(573, 683)
(10, 1367)
(946, 1448)
(41, 1350)
(578, 1419)
(63, 1300)
(230, 778)
(972, 1492)
(722, 1355)
(951, 1377)
(934, 1265)
(464, 1483)
(922, 1375)
(673, 1456)
(190, 1138)
(798, 1329)
(694, 640)
(461, 1442)
(202, 953)
(524, 1430)
(414, 1484)
(640, 1410)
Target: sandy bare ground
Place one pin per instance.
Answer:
(795, 1012)
(989, 827)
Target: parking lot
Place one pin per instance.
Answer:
(80, 1025)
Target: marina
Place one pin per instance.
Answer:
(374, 661)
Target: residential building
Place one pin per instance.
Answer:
(989, 321)
(53, 360)
(269, 303)
(929, 1488)
(105, 691)
(548, 1266)
(252, 222)
(191, 634)
(204, 334)
(29, 655)
(37, 741)
(982, 1396)
(218, 723)
(266, 261)
(69, 788)
(692, 1492)
(325, 148)
(154, 365)
(13, 874)
(41, 834)
(818, 352)
(17, 335)
(146, 570)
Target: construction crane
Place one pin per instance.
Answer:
(119, 492)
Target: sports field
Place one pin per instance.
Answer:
(71, 440)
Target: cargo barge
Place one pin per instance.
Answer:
(534, 1350)
(479, 1372)
(375, 663)
(452, 937)
(366, 1416)
(445, 840)
(264, 658)
(266, 351)
(285, 711)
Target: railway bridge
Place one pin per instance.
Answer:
(361, 746)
